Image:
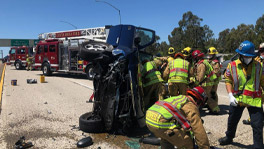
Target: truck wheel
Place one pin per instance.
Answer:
(18, 65)
(91, 123)
(89, 72)
(46, 69)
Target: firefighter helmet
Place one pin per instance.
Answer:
(199, 94)
(186, 51)
(212, 50)
(197, 54)
(246, 48)
(171, 50)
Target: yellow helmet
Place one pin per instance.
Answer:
(186, 51)
(212, 50)
(171, 50)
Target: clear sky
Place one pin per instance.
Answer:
(25, 19)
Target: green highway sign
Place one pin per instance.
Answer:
(19, 42)
(36, 42)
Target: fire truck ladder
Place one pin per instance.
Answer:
(97, 34)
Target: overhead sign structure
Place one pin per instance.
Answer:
(18, 42)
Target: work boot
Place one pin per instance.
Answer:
(225, 141)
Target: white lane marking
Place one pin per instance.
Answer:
(86, 86)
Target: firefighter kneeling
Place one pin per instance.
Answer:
(176, 120)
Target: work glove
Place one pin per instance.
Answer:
(233, 101)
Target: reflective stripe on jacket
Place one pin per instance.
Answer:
(251, 95)
(178, 71)
(170, 110)
(150, 74)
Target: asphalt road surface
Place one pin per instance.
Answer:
(47, 114)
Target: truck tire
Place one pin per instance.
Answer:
(89, 72)
(18, 65)
(46, 69)
(91, 123)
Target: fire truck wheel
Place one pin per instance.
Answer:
(46, 69)
(89, 72)
(91, 123)
(18, 65)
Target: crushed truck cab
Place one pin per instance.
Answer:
(117, 102)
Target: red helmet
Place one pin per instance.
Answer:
(197, 54)
(199, 94)
(179, 55)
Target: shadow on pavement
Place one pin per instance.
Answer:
(205, 111)
(242, 145)
(64, 75)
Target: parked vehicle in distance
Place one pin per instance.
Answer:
(225, 63)
(5, 59)
(18, 56)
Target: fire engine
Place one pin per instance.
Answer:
(18, 56)
(60, 51)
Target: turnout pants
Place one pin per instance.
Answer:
(256, 116)
(153, 93)
(176, 89)
(212, 101)
(173, 137)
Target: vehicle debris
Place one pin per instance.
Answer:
(85, 142)
(21, 144)
(31, 81)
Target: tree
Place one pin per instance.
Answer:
(259, 29)
(190, 33)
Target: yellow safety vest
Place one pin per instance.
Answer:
(178, 71)
(168, 109)
(251, 95)
(150, 74)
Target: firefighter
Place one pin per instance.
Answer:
(187, 54)
(244, 79)
(153, 87)
(29, 62)
(171, 52)
(216, 69)
(259, 58)
(177, 74)
(205, 77)
(176, 119)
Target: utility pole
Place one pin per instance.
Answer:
(112, 7)
(69, 24)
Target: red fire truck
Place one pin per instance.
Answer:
(60, 51)
(18, 56)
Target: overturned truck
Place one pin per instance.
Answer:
(117, 102)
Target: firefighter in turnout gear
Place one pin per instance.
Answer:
(244, 79)
(216, 69)
(259, 58)
(177, 74)
(176, 120)
(153, 87)
(29, 62)
(205, 77)
(171, 52)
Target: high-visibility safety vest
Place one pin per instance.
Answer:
(209, 73)
(251, 95)
(170, 110)
(219, 78)
(178, 71)
(150, 74)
